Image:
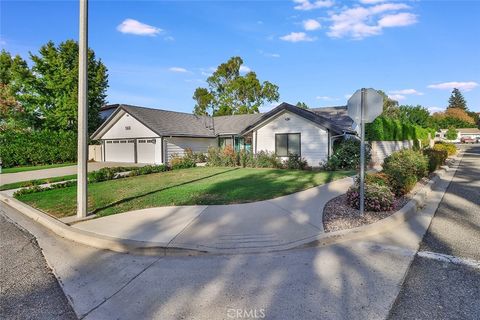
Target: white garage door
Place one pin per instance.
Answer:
(146, 150)
(120, 150)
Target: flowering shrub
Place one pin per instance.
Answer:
(436, 158)
(295, 162)
(179, 162)
(377, 198)
(379, 178)
(449, 147)
(404, 168)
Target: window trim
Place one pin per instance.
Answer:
(299, 143)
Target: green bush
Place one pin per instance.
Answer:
(265, 159)
(379, 178)
(445, 146)
(178, 162)
(405, 168)
(105, 174)
(387, 129)
(347, 156)
(377, 197)
(436, 158)
(139, 171)
(37, 147)
(295, 162)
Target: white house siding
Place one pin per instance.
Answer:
(120, 129)
(177, 145)
(313, 138)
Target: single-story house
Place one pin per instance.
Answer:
(145, 135)
(473, 133)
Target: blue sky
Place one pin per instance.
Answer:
(319, 52)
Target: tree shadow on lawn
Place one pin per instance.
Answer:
(125, 200)
(249, 188)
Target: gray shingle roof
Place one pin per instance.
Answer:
(172, 123)
(336, 114)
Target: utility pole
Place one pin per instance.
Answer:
(82, 156)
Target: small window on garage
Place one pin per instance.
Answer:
(123, 141)
(109, 141)
(131, 141)
(151, 141)
(116, 141)
(287, 144)
(142, 141)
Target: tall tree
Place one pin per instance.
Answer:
(390, 106)
(229, 92)
(457, 100)
(415, 115)
(56, 85)
(17, 95)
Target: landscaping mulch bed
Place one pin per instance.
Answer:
(338, 215)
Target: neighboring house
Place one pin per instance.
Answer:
(107, 110)
(461, 133)
(144, 135)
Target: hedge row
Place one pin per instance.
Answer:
(387, 129)
(37, 147)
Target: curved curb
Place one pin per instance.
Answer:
(163, 249)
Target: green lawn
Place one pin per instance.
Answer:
(182, 187)
(29, 183)
(39, 167)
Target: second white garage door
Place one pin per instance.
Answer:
(120, 150)
(146, 150)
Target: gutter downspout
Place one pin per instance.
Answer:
(330, 144)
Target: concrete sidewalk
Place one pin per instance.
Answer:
(58, 172)
(279, 223)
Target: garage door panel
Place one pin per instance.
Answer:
(146, 150)
(120, 150)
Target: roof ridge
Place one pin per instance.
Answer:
(156, 109)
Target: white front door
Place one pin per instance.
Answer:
(146, 150)
(120, 150)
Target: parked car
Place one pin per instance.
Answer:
(468, 140)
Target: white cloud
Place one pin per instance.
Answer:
(360, 22)
(435, 109)
(326, 98)
(297, 37)
(306, 5)
(397, 97)
(398, 20)
(132, 26)
(465, 86)
(178, 70)
(244, 69)
(311, 24)
(371, 1)
(407, 92)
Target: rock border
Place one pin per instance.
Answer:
(162, 249)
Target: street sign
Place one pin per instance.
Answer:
(373, 105)
(363, 107)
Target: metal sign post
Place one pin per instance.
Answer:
(363, 107)
(362, 152)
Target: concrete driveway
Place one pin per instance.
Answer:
(58, 172)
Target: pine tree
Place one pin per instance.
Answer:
(457, 100)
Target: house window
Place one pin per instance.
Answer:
(287, 144)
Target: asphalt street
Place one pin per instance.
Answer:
(447, 286)
(29, 290)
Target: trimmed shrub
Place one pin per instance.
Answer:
(37, 188)
(445, 146)
(179, 162)
(265, 159)
(139, 171)
(105, 174)
(347, 156)
(436, 158)
(379, 178)
(377, 198)
(37, 147)
(295, 162)
(405, 168)
(387, 129)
